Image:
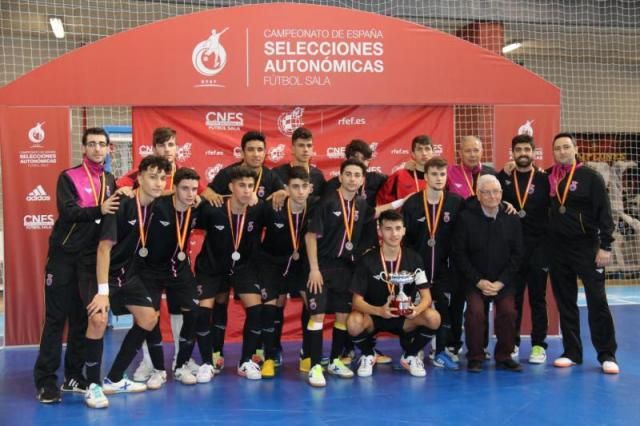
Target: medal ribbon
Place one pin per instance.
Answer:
(255, 190)
(523, 200)
(99, 199)
(432, 226)
(141, 220)
(295, 231)
(182, 228)
(415, 179)
(464, 173)
(236, 236)
(348, 218)
(565, 193)
(395, 267)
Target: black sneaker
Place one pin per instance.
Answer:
(75, 384)
(509, 365)
(49, 394)
(474, 366)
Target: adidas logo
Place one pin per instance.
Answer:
(38, 194)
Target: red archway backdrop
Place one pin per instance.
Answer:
(260, 55)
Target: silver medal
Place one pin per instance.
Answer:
(348, 245)
(522, 214)
(143, 252)
(182, 256)
(235, 255)
(431, 242)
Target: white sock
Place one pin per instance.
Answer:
(176, 326)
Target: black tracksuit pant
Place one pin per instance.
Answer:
(570, 260)
(532, 276)
(62, 303)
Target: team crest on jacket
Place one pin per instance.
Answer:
(250, 226)
(447, 217)
(49, 280)
(532, 189)
(261, 191)
(573, 186)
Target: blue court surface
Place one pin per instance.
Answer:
(541, 395)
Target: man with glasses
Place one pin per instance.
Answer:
(488, 253)
(84, 194)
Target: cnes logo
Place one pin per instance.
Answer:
(38, 221)
(38, 194)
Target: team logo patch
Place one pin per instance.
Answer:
(312, 304)
(573, 186)
(447, 217)
(263, 292)
(250, 226)
(357, 214)
(532, 189)
(49, 280)
(199, 289)
(261, 191)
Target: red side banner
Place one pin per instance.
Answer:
(540, 121)
(209, 137)
(35, 148)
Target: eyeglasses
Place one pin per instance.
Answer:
(94, 145)
(490, 191)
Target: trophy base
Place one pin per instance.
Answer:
(402, 308)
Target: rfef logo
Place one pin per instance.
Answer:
(526, 128)
(288, 122)
(209, 56)
(36, 134)
(276, 153)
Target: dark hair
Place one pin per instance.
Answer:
(358, 146)
(301, 133)
(162, 135)
(522, 139)
(154, 161)
(352, 162)
(297, 172)
(241, 172)
(252, 135)
(434, 163)
(565, 135)
(390, 215)
(184, 173)
(421, 140)
(94, 131)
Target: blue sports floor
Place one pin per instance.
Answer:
(541, 395)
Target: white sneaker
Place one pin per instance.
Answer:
(452, 354)
(205, 373)
(94, 397)
(123, 386)
(515, 355)
(538, 355)
(365, 369)
(157, 379)
(563, 362)
(185, 376)
(250, 370)
(414, 365)
(193, 366)
(316, 377)
(337, 368)
(143, 372)
(610, 367)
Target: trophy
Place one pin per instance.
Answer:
(401, 303)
